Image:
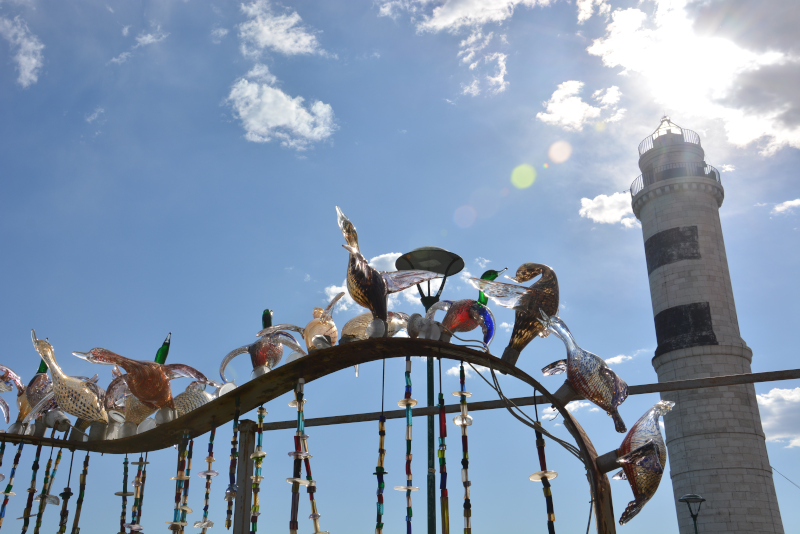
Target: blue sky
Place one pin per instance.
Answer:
(174, 167)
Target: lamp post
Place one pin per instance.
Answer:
(440, 261)
(691, 499)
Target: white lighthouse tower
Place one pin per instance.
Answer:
(714, 437)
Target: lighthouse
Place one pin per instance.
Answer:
(714, 436)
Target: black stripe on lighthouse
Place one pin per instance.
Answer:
(684, 326)
(670, 246)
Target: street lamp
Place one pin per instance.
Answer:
(444, 262)
(690, 499)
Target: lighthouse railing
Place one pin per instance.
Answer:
(647, 144)
(673, 170)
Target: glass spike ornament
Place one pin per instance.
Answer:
(587, 373)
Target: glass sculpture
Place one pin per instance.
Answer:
(8, 493)
(465, 315)
(407, 402)
(257, 457)
(8, 380)
(587, 373)
(526, 301)
(322, 324)
(77, 396)
(232, 490)
(194, 397)
(367, 286)
(266, 352)
(464, 420)
(208, 474)
(643, 455)
(147, 381)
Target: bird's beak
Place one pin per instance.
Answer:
(83, 355)
(351, 250)
(512, 279)
(340, 217)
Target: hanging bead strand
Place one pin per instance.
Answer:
(81, 494)
(464, 420)
(124, 494)
(230, 493)
(184, 503)
(26, 515)
(407, 402)
(257, 457)
(8, 493)
(379, 470)
(65, 496)
(296, 481)
(179, 478)
(133, 526)
(141, 493)
(544, 476)
(445, 501)
(208, 474)
(44, 497)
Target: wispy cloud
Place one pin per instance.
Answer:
(27, 49)
(786, 207)
(482, 262)
(727, 168)
(281, 32)
(622, 358)
(586, 9)
(611, 209)
(125, 30)
(218, 34)
(96, 114)
(146, 39)
(267, 113)
(468, 372)
(780, 415)
(568, 110)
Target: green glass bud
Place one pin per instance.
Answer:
(266, 319)
(163, 352)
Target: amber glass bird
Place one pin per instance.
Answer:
(526, 302)
(148, 381)
(587, 373)
(367, 286)
(643, 455)
(78, 396)
(322, 324)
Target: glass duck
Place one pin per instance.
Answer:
(367, 286)
(643, 455)
(525, 301)
(267, 351)
(587, 373)
(75, 395)
(149, 382)
(8, 380)
(467, 314)
(322, 324)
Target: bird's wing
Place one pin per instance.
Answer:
(487, 325)
(117, 390)
(617, 386)
(278, 327)
(288, 340)
(400, 280)
(39, 408)
(443, 305)
(555, 368)
(644, 457)
(180, 370)
(506, 295)
(4, 409)
(328, 311)
(227, 359)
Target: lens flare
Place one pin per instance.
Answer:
(559, 152)
(523, 176)
(465, 216)
(545, 166)
(600, 126)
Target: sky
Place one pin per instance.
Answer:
(175, 167)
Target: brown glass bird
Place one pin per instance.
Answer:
(369, 287)
(526, 301)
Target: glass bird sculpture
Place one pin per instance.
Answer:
(643, 456)
(148, 381)
(266, 352)
(587, 373)
(369, 287)
(322, 324)
(467, 314)
(525, 301)
(8, 380)
(356, 328)
(194, 397)
(75, 395)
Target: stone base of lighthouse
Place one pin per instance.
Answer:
(716, 444)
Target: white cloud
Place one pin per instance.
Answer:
(283, 33)
(497, 83)
(472, 89)
(780, 415)
(307, 278)
(120, 59)
(218, 34)
(760, 204)
(609, 210)
(125, 30)
(473, 44)
(346, 302)
(586, 9)
(95, 115)
(621, 358)
(267, 113)
(482, 262)
(506, 326)
(752, 94)
(727, 168)
(468, 372)
(146, 39)
(385, 262)
(568, 110)
(27, 49)
(572, 407)
(787, 206)
(451, 15)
